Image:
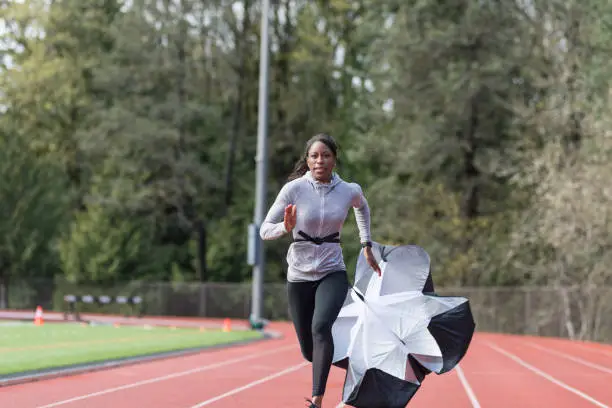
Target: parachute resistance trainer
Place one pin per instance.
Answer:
(393, 329)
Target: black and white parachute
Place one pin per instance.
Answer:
(393, 330)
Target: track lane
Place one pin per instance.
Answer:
(598, 354)
(584, 378)
(280, 380)
(288, 391)
(571, 356)
(500, 382)
(445, 390)
(192, 388)
(231, 395)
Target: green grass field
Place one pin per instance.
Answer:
(25, 347)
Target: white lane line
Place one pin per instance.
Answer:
(251, 385)
(547, 376)
(169, 376)
(466, 386)
(571, 358)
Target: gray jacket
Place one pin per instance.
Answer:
(321, 209)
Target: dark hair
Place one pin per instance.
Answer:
(301, 166)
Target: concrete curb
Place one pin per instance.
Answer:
(50, 373)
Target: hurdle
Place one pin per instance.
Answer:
(72, 302)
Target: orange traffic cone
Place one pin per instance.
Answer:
(38, 316)
(227, 325)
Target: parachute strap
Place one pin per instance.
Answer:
(317, 240)
(385, 251)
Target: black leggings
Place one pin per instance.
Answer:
(314, 307)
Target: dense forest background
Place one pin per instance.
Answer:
(479, 130)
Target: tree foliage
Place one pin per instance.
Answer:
(477, 130)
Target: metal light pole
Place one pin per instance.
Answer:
(256, 253)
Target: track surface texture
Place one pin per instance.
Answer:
(499, 371)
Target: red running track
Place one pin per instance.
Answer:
(499, 371)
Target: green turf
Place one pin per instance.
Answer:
(25, 347)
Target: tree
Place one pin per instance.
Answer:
(447, 138)
(35, 205)
(563, 237)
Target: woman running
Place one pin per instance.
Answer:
(313, 206)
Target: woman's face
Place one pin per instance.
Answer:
(321, 161)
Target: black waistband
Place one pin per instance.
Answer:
(329, 238)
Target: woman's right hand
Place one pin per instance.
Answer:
(290, 216)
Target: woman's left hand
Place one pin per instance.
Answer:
(367, 251)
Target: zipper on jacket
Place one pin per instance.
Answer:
(321, 216)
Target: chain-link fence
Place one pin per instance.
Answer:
(574, 312)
